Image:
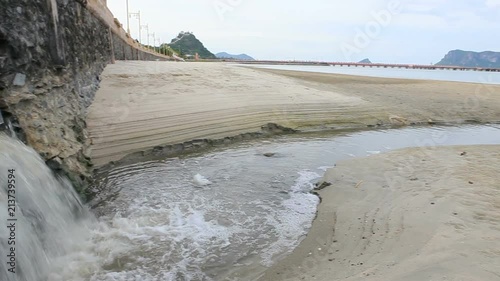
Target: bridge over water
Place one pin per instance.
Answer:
(374, 65)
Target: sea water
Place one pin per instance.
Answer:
(482, 77)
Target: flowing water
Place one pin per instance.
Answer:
(51, 227)
(225, 214)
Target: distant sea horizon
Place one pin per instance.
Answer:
(482, 77)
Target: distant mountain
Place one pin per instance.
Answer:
(365, 61)
(224, 55)
(186, 44)
(471, 59)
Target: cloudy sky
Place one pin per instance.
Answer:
(392, 31)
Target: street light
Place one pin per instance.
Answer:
(137, 16)
(128, 25)
(154, 40)
(159, 44)
(147, 32)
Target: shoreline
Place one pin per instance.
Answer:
(143, 105)
(444, 223)
(271, 70)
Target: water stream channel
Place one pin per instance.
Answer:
(224, 214)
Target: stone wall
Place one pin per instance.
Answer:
(51, 55)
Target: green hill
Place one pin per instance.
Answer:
(471, 59)
(186, 44)
(365, 61)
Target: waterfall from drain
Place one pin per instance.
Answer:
(6, 125)
(51, 224)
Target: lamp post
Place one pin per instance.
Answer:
(154, 40)
(137, 16)
(146, 26)
(128, 24)
(159, 44)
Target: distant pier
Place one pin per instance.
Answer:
(373, 65)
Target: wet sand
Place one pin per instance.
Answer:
(412, 214)
(145, 104)
(414, 100)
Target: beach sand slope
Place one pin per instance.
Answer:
(141, 105)
(144, 104)
(408, 215)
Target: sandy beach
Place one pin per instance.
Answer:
(412, 214)
(145, 104)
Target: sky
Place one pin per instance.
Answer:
(389, 31)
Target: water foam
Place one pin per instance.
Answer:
(201, 180)
(178, 233)
(293, 219)
(163, 241)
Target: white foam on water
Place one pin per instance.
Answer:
(305, 181)
(373, 152)
(170, 242)
(201, 180)
(156, 238)
(293, 219)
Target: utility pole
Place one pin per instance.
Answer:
(147, 32)
(159, 44)
(154, 40)
(137, 16)
(128, 24)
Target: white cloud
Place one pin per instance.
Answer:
(424, 21)
(493, 3)
(423, 5)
